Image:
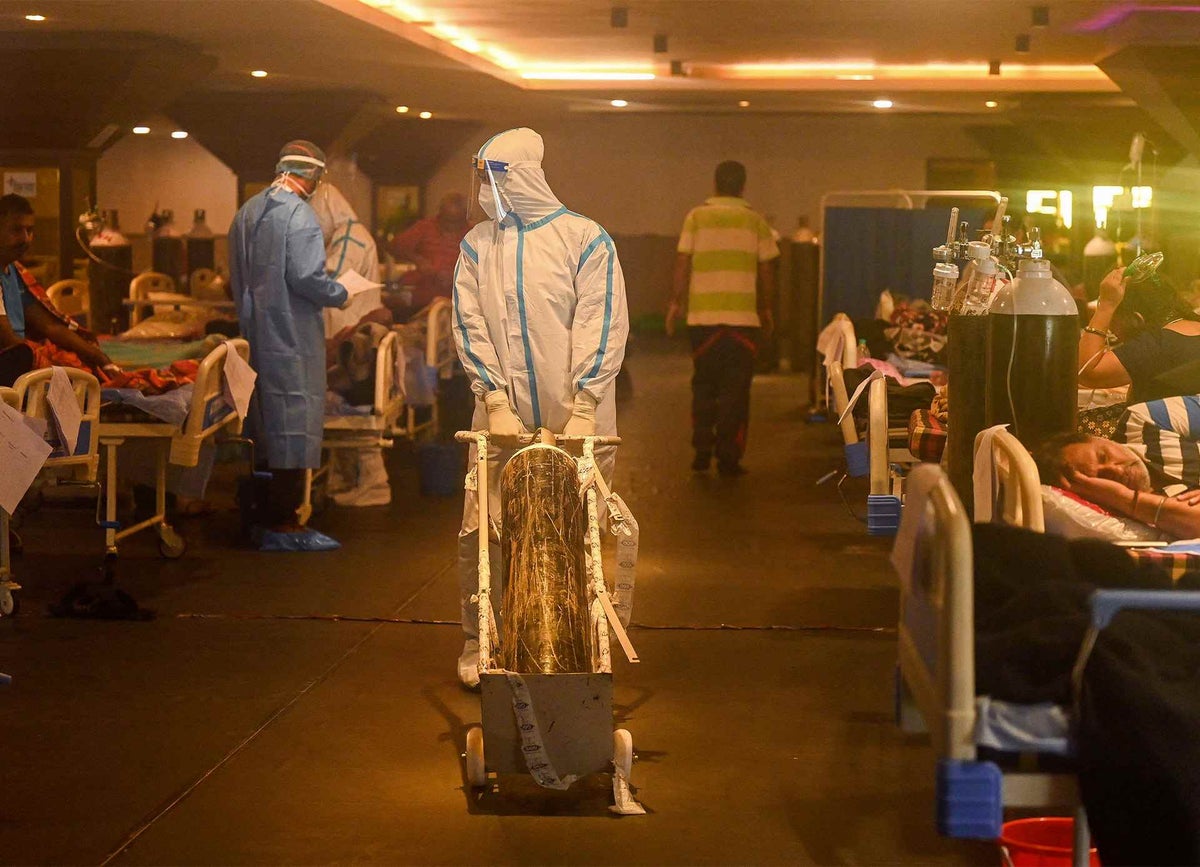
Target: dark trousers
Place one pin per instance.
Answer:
(285, 492)
(723, 363)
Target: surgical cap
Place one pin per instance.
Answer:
(302, 158)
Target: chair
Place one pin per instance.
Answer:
(71, 298)
(140, 288)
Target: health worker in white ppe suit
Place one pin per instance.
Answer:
(357, 477)
(540, 322)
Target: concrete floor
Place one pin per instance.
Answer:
(242, 726)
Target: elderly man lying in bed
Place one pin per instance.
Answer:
(1113, 476)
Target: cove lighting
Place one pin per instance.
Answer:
(579, 75)
(259, 73)
(883, 103)
(991, 103)
(35, 17)
(865, 69)
(402, 109)
(179, 134)
(425, 115)
(141, 130)
(855, 77)
(619, 103)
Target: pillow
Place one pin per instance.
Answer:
(1075, 518)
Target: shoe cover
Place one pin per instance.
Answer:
(374, 496)
(305, 540)
(468, 664)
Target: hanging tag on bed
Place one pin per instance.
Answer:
(237, 384)
(64, 408)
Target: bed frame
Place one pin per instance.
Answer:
(209, 416)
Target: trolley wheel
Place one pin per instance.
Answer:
(170, 544)
(476, 770)
(10, 602)
(623, 752)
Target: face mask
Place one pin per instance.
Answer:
(487, 201)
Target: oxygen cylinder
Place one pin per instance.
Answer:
(1032, 355)
(108, 279)
(545, 623)
(167, 253)
(201, 245)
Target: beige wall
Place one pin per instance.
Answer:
(142, 172)
(639, 174)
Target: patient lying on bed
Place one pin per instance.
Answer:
(1113, 476)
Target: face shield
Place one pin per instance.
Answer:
(487, 188)
(297, 165)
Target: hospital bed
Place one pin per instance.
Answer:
(936, 674)
(208, 415)
(371, 430)
(431, 329)
(63, 467)
(878, 458)
(9, 588)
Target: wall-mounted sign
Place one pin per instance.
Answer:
(1057, 203)
(21, 183)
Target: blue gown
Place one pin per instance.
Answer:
(277, 274)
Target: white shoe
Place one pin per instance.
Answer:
(378, 496)
(468, 664)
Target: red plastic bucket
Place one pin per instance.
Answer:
(1043, 842)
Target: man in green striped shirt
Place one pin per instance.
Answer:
(725, 266)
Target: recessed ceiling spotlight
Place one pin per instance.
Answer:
(402, 109)
(141, 130)
(743, 103)
(35, 17)
(259, 73)
(425, 115)
(619, 103)
(179, 133)
(991, 103)
(883, 103)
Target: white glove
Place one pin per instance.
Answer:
(582, 422)
(502, 421)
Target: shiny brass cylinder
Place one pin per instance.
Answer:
(545, 624)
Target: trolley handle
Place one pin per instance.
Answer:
(525, 439)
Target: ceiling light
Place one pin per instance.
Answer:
(425, 115)
(991, 103)
(502, 57)
(179, 134)
(619, 103)
(743, 103)
(883, 103)
(259, 73)
(35, 17)
(402, 109)
(141, 130)
(572, 75)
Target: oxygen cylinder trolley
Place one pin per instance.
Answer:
(544, 656)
